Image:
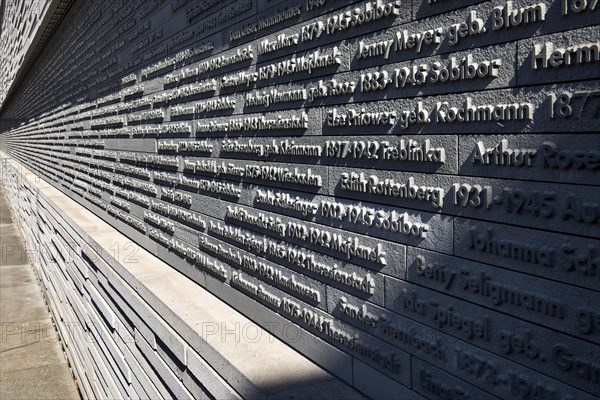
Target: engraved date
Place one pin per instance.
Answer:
(572, 105)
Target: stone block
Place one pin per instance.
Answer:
(379, 386)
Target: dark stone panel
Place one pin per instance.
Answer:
(551, 158)
(545, 59)
(558, 207)
(544, 254)
(457, 356)
(538, 348)
(528, 297)
(434, 383)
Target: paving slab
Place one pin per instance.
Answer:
(16, 275)
(12, 247)
(40, 383)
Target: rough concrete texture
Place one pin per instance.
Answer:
(32, 363)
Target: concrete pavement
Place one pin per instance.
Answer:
(32, 363)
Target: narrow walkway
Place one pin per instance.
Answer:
(32, 364)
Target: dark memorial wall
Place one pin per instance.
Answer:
(414, 184)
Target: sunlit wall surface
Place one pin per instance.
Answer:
(412, 183)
